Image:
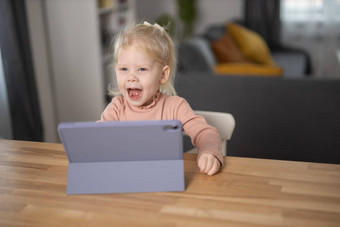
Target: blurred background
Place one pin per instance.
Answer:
(56, 55)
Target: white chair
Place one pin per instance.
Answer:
(223, 122)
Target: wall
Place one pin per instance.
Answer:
(40, 56)
(76, 61)
(208, 12)
(69, 82)
(217, 11)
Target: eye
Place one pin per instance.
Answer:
(142, 69)
(124, 69)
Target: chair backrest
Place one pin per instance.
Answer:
(223, 122)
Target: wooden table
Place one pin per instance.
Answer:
(247, 192)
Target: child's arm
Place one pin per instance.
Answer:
(204, 137)
(208, 142)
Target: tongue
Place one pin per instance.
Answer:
(135, 92)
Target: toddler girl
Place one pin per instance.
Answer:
(145, 65)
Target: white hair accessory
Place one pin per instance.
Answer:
(155, 25)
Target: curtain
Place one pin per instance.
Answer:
(315, 26)
(19, 74)
(263, 16)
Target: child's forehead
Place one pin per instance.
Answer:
(135, 47)
(138, 48)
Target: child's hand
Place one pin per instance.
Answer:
(208, 164)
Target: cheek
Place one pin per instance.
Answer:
(151, 84)
(153, 80)
(120, 81)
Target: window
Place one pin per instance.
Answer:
(314, 25)
(302, 10)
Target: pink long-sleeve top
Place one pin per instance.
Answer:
(203, 136)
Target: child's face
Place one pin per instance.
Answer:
(139, 76)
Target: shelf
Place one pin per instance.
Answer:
(121, 7)
(103, 11)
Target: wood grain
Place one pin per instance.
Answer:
(247, 192)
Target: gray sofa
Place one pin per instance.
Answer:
(276, 118)
(196, 54)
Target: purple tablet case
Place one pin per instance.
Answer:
(122, 157)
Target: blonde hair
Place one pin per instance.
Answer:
(155, 42)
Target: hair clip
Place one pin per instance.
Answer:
(155, 25)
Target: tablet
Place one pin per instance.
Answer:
(124, 156)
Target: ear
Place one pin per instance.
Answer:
(165, 74)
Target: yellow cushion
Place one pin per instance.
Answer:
(248, 69)
(251, 44)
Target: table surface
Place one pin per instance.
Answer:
(247, 192)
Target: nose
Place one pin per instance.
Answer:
(132, 77)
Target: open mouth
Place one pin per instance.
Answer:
(134, 93)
